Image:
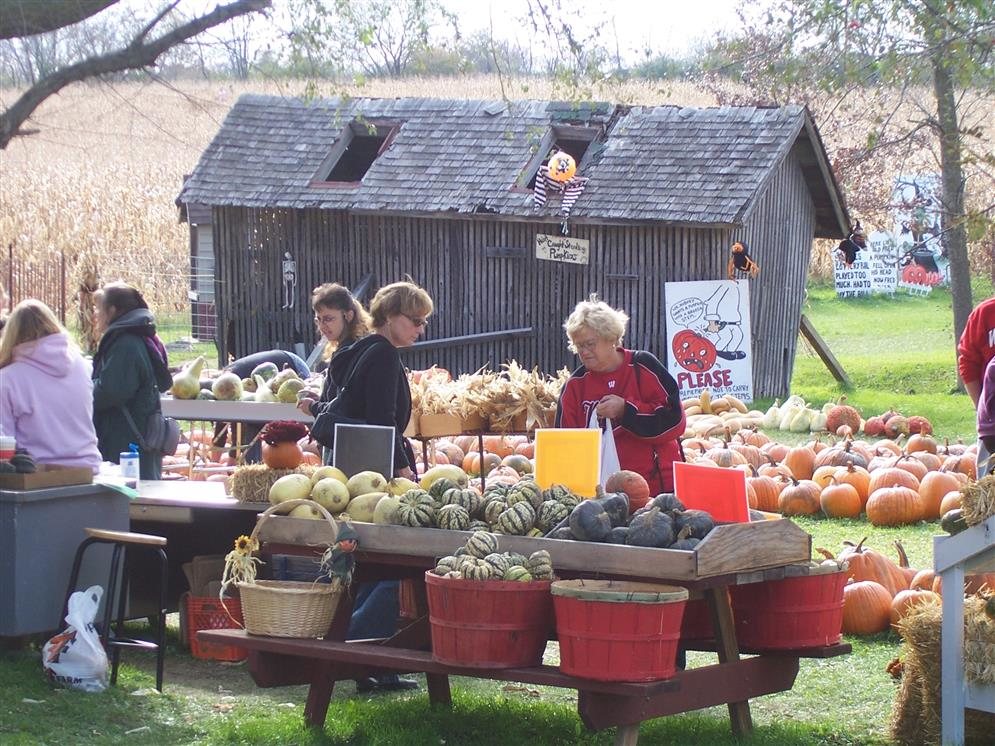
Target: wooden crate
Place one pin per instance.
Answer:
(47, 476)
(728, 548)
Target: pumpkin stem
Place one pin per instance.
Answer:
(825, 553)
(856, 547)
(903, 558)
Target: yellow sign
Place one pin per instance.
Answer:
(571, 457)
(562, 249)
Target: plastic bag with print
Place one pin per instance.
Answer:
(75, 658)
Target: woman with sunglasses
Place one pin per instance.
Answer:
(377, 394)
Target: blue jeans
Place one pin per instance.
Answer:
(375, 610)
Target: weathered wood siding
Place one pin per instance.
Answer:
(779, 232)
(477, 290)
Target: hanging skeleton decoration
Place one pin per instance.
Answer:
(559, 174)
(740, 262)
(851, 245)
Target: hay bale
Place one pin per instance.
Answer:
(915, 715)
(978, 500)
(251, 483)
(979, 642)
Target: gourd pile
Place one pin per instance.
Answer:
(663, 523)
(521, 509)
(479, 559)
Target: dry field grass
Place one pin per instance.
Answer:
(99, 181)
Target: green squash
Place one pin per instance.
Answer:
(589, 521)
(651, 529)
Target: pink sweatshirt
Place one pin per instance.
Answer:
(46, 402)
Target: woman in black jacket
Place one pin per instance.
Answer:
(370, 372)
(129, 372)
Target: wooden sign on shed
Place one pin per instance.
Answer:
(562, 249)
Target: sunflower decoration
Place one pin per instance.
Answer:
(240, 564)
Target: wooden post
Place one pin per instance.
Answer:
(822, 350)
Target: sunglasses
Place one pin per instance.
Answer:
(416, 320)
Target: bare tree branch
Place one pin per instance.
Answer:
(136, 55)
(28, 17)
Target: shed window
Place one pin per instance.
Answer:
(355, 150)
(574, 140)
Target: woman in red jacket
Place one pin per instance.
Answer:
(630, 388)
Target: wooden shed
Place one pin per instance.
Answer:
(305, 192)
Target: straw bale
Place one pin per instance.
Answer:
(915, 716)
(978, 500)
(251, 483)
(979, 642)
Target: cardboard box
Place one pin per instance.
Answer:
(411, 431)
(47, 476)
(433, 425)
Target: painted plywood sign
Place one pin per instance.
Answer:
(562, 249)
(709, 337)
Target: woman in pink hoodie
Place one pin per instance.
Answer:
(46, 396)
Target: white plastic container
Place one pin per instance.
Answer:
(129, 466)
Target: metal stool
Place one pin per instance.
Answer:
(113, 639)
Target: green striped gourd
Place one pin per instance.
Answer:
(481, 543)
(517, 559)
(467, 498)
(551, 513)
(439, 488)
(518, 519)
(499, 562)
(446, 564)
(519, 573)
(526, 490)
(540, 564)
(416, 509)
(477, 569)
(453, 518)
(478, 525)
(494, 508)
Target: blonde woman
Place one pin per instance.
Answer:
(46, 398)
(631, 389)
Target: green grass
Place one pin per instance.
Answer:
(899, 352)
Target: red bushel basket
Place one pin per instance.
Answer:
(206, 612)
(618, 630)
(488, 623)
(799, 612)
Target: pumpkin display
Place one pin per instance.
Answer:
(914, 466)
(725, 457)
(416, 508)
(550, 514)
(866, 607)
(481, 543)
(632, 484)
(453, 518)
(923, 580)
(525, 490)
(840, 500)
(891, 476)
(840, 455)
(903, 602)
(517, 520)
(766, 491)
(894, 506)
(919, 425)
(842, 415)
(823, 475)
(801, 461)
(499, 445)
(950, 501)
(799, 497)
(963, 463)
(474, 463)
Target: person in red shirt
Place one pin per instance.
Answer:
(976, 347)
(631, 388)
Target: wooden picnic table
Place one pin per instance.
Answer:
(731, 555)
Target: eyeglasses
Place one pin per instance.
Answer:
(326, 320)
(416, 320)
(586, 346)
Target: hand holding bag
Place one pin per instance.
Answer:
(162, 434)
(609, 456)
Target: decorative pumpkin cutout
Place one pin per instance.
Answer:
(562, 166)
(693, 352)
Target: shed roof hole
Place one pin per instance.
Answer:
(575, 146)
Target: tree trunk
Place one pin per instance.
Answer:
(952, 181)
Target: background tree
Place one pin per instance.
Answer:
(163, 31)
(826, 50)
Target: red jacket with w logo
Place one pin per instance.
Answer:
(647, 435)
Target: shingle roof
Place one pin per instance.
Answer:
(668, 164)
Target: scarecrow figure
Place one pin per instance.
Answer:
(338, 561)
(850, 246)
(740, 262)
(559, 174)
(723, 322)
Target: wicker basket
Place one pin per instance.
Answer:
(284, 608)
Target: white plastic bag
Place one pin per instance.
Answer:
(609, 456)
(75, 658)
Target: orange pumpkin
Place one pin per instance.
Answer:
(931, 461)
(920, 442)
(527, 449)
(903, 602)
(632, 484)
(840, 455)
(892, 477)
(773, 469)
(866, 608)
(454, 454)
(472, 463)
(932, 489)
(964, 463)
(725, 456)
(311, 459)
(499, 445)
(923, 580)
(766, 491)
(752, 437)
(799, 497)
(466, 443)
(914, 466)
(775, 451)
(801, 461)
(903, 564)
(950, 501)
(894, 506)
(839, 500)
(287, 455)
(856, 477)
(517, 462)
(869, 564)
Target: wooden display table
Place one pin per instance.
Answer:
(730, 555)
